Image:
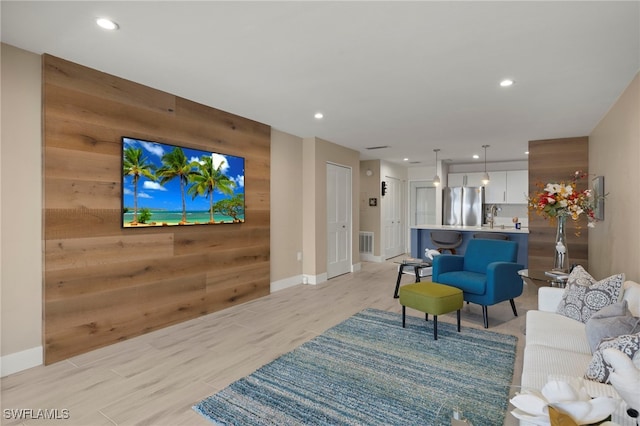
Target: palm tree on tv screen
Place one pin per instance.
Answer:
(135, 165)
(176, 165)
(207, 180)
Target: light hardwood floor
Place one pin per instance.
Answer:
(155, 379)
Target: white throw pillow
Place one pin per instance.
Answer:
(625, 377)
(632, 296)
(584, 296)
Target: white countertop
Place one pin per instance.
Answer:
(498, 228)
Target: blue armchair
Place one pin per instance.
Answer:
(487, 273)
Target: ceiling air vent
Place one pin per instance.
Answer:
(377, 147)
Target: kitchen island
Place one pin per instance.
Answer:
(421, 238)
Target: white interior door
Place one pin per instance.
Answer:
(338, 220)
(392, 218)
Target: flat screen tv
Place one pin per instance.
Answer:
(170, 185)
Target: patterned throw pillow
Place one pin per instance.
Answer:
(583, 296)
(599, 370)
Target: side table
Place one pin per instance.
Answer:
(539, 278)
(416, 264)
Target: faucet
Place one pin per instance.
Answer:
(493, 211)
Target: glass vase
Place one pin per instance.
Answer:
(561, 258)
(559, 418)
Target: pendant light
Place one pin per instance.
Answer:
(436, 178)
(485, 177)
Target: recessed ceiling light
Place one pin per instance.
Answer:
(107, 24)
(506, 83)
(476, 156)
(526, 152)
(319, 115)
(405, 159)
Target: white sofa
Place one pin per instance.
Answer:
(557, 346)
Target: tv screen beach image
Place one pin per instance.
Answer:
(170, 185)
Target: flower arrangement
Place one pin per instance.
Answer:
(564, 200)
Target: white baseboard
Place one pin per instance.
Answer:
(370, 258)
(303, 279)
(298, 279)
(19, 361)
(314, 279)
(286, 283)
(306, 279)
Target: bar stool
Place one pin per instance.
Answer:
(446, 240)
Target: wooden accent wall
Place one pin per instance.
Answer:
(555, 160)
(102, 283)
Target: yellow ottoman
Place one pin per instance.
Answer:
(431, 298)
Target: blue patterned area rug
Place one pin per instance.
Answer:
(368, 370)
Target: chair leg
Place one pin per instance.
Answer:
(404, 312)
(395, 293)
(485, 316)
(458, 315)
(426, 316)
(513, 306)
(435, 327)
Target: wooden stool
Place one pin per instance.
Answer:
(431, 298)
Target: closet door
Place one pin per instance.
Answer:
(338, 220)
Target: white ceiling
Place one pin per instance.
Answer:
(412, 75)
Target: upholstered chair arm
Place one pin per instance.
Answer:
(549, 298)
(446, 263)
(503, 281)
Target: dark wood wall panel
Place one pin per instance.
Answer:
(555, 160)
(102, 283)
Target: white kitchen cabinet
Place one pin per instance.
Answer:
(465, 179)
(495, 191)
(474, 179)
(517, 186)
(504, 187)
(455, 179)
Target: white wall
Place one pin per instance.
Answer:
(400, 173)
(286, 205)
(614, 152)
(21, 210)
(316, 153)
(370, 216)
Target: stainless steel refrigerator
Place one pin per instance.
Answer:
(462, 205)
